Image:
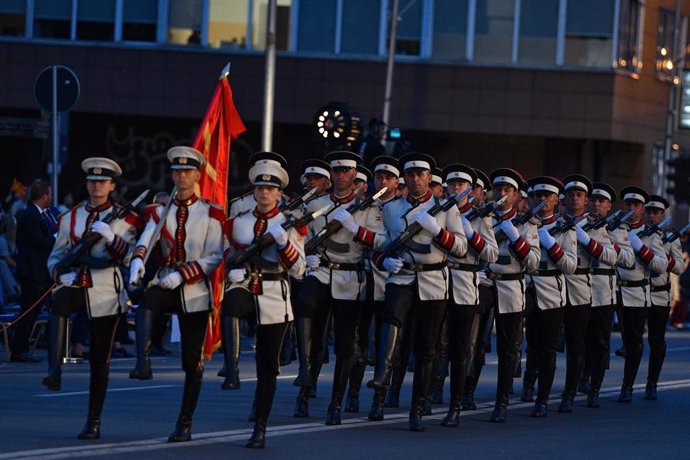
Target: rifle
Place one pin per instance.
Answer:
(414, 228)
(597, 224)
(567, 224)
(618, 221)
(486, 210)
(519, 220)
(80, 250)
(674, 235)
(652, 229)
(296, 202)
(238, 259)
(333, 226)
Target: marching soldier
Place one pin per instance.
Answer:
(386, 173)
(191, 241)
(262, 293)
(96, 285)
(436, 184)
(518, 252)
(335, 280)
(603, 276)
(660, 287)
(558, 258)
(418, 278)
(246, 202)
(463, 316)
(633, 285)
(593, 245)
(362, 181)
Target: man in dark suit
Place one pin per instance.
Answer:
(35, 229)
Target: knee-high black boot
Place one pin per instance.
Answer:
(190, 396)
(356, 376)
(384, 357)
(376, 411)
(458, 371)
(303, 333)
(142, 370)
(57, 330)
(343, 366)
(505, 379)
(424, 370)
(98, 386)
(573, 374)
(230, 330)
(265, 390)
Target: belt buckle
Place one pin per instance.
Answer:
(334, 266)
(256, 276)
(415, 267)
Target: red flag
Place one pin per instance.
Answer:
(221, 124)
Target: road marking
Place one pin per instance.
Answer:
(298, 428)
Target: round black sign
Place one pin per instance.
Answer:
(67, 88)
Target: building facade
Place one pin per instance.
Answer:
(546, 86)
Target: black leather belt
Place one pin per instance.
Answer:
(662, 288)
(423, 267)
(342, 266)
(270, 276)
(503, 260)
(553, 272)
(633, 283)
(505, 276)
(603, 271)
(463, 267)
(581, 271)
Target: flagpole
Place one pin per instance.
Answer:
(269, 82)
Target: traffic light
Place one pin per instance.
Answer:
(679, 179)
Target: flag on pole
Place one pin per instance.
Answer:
(220, 125)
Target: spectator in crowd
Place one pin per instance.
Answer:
(8, 229)
(35, 240)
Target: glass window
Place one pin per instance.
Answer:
(316, 30)
(493, 41)
(184, 22)
(629, 36)
(665, 51)
(588, 33)
(227, 26)
(538, 30)
(139, 20)
(260, 23)
(52, 18)
(450, 29)
(96, 20)
(13, 18)
(360, 31)
(409, 31)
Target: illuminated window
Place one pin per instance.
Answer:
(184, 22)
(588, 33)
(665, 49)
(260, 22)
(13, 18)
(227, 26)
(629, 36)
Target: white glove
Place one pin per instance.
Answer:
(279, 234)
(346, 219)
(635, 241)
(392, 264)
(510, 231)
(136, 270)
(171, 281)
(546, 239)
(104, 229)
(428, 223)
(237, 275)
(582, 236)
(68, 278)
(467, 227)
(313, 261)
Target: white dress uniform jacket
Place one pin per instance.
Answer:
(191, 242)
(604, 280)
(374, 222)
(105, 289)
(660, 282)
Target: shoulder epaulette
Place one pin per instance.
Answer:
(216, 211)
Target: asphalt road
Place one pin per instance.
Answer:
(138, 416)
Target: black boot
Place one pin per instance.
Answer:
(452, 418)
(384, 357)
(458, 372)
(393, 397)
(57, 330)
(468, 402)
(500, 413)
(584, 385)
(222, 372)
(566, 405)
(98, 385)
(539, 410)
(527, 391)
(230, 330)
(415, 421)
(252, 412)
(343, 366)
(302, 402)
(437, 392)
(650, 392)
(376, 411)
(303, 333)
(142, 370)
(593, 397)
(356, 376)
(190, 396)
(626, 394)
(258, 439)
(315, 371)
